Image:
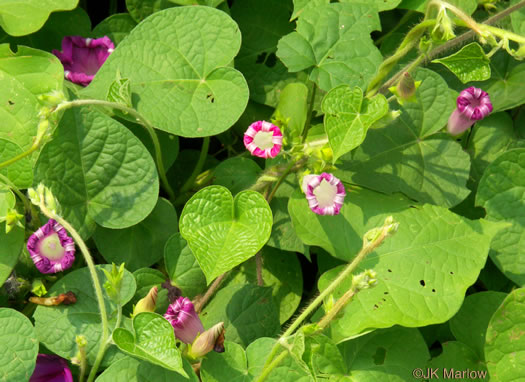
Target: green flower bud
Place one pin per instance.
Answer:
(148, 303)
(38, 288)
(211, 339)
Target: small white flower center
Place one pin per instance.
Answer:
(325, 194)
(263, 140)
(51, 248)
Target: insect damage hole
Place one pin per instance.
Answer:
(210, 98)
(422, 283)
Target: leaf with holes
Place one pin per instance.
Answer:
(333, 42)
(177, 61)
(98, 171)
(348, 116)
(222, 232)
(153, 340)
(423, 270)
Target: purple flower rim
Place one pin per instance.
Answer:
(337, 201)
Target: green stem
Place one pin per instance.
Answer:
(27, 204)
(319, 299)
(96, 284)
(267, 370)
(198, 167)
(280, 181)
(450, 44)
(140, 119)
(401, 22)
(32, 149)
(310, 111)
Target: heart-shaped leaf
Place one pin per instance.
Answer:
(18, 346)
(468, 64)
(348, 117)
(153, 341)
(99, 172)
(177, 61)
(223, 232)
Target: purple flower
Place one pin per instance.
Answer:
(51, 249)
(325, 193)
(83, 57)
(51, 368)
(473, 104)
(263, 139)
(185, 321)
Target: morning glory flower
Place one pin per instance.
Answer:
(473, 104)
(51, 249)
(185, 321)
(51, 368)
(83, 57)
(263, 139)
(325, 193)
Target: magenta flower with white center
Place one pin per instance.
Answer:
(51, 368)
(83, 57)
(51, 249)
(185, 321)
(473, 104)
(325, 193)
(263, 139)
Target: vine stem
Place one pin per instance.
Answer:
(32, 149)
(211, 290)
(310, 111)
(448, 45)
(196, 171)
(96, 284)
(140, 119)
(269, 365)
(27, 204)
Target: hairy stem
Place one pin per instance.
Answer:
(141, 120)
(201, 303)
(96, 284)
(259, 268)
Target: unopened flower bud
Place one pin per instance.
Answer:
(148, 303)
(38, 288)
(12, 219)
(52, 98)
(50, 201)
(33, 196)
(211, 339)
(364, 279)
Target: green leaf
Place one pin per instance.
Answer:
(468, 64)
(11, 245)
(456, 360)
(500, 192)
(282, 272)
(7, 199)
(57, 326)
(406, 157)
(293, 108)
(140, 9)
(385, 355)
(491, 137)
(323, 356)
(517, 19)
(381, 5)
(299, 6)
(130, 369)
(348, 116)
(27, 16)
(116, 27)
(18, 346)
(423, 270)
(236, 365)
(98, 171)
(19, 172)
(468, 6)
(58, 26)
(505, 346)
(182, 267)
(340, 235)
(146, 278)
(283, 234)
(334, 41)
(120, 92)
(140, 245)
(470, 323)
(248, 312)
(196, 94)
(236, 174)
(223, 232)
(262, 24)
(153, 340)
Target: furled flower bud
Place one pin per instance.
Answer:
(148, 303)
(405, 90)
(211, 339)
(325, 193)
(473, 104)
(83, 57)
(51, 249)
(263, 139)
(51, 368)
(185, 321)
